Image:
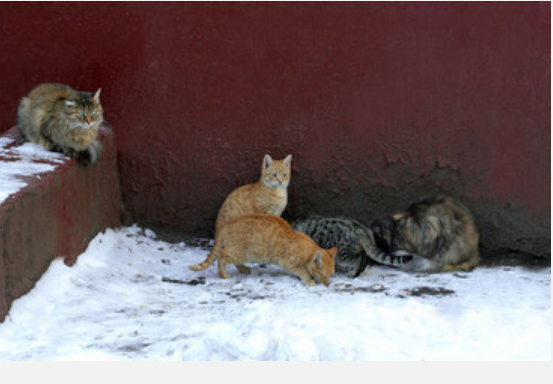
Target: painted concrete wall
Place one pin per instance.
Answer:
(380, 103)
(54, 214)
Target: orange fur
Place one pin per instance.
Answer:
(269, 195)
(262, 238)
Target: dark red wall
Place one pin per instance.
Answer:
(55, 215)
(380, 103)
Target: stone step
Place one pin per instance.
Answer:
(50, 206)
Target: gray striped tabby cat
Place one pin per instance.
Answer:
(355, 242)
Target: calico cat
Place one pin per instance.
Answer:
(262, 238)
(269, 195)
(61, 119)
(438, 231)
(354, 240)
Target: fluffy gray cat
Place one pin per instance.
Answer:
(63, 120)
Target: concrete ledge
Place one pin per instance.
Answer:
(50, 206)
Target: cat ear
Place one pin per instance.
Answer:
(399, 216)
(267, 161)
(97, 95)
(70, 103)
(318, 259)
(332, 252)
(288, 161)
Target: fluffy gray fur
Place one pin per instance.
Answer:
(439, 230)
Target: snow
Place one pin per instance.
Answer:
(18, 163)
(131, 297)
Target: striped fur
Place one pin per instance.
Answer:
(439, 231)
(61, 119)
(355, 242)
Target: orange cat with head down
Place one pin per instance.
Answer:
(269, 195)
(262, 238)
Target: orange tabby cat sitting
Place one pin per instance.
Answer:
(269, 195)
(262, 238)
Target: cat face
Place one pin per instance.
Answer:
(321, 268)
(404, 233)
(383, 228)
(276, 173)
(394, 232)
(84, 110)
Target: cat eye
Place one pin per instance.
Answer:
(275, 174)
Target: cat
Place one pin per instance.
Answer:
(63, 120)
(439, 232)
(355, 242)
(262, 238)
(269, 195)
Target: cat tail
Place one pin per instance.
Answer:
(92, 153)
(211, 258)
(375, 253)
(421, 264)
(24, 122)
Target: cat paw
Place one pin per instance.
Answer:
(224, 275)
(353, 274)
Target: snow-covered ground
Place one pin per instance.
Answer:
(131, 297)
(18, 163)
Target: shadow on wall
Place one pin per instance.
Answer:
(381, 103)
